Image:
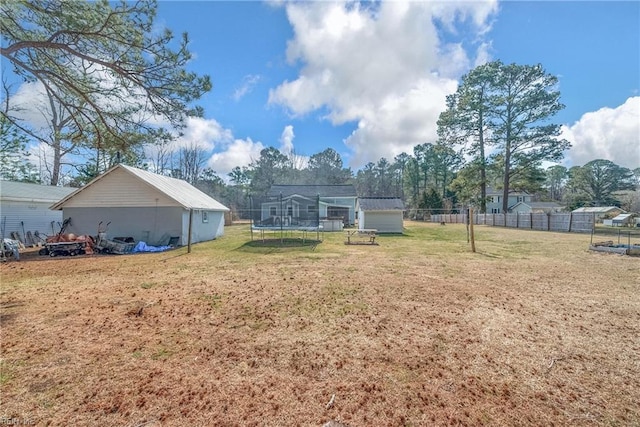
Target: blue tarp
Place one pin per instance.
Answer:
(143, 247)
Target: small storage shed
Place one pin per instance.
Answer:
(145, 206)
(600, 212)
(381, 213)
(25, 208)
(622, 220)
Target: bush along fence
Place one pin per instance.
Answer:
(567, 222)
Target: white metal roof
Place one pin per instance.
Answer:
(35, 193)
(622, 217)
(181, 191)
(380, 204)
(596, 209)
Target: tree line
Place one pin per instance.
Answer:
(108, 80)
(430, 178)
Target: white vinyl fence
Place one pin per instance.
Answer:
(581, 222)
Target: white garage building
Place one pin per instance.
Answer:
(143, 205)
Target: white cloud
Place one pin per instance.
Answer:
(29, 104)
(248, 83)
(382, 66)
(240, 152)
(203, 133)
(32, 106)
(399, 122)
(609, 133)
(226, 152)
(286, 140)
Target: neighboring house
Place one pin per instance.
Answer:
(495, 198)
(600, 212)
(300, 205)
(145, 206)
(25, 207)
(536, 207)
(383, 214)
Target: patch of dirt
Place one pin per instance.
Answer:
(415, 331)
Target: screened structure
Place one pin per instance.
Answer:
(285, 217)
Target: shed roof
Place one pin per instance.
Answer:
(345, 190)
(381, 204)
(622, 217)
(183, 193)
(597, 209)
(25, 192)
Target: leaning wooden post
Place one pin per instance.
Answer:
(473, 240)
(190, 226)
(570, 220)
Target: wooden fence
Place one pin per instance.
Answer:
(567, 222)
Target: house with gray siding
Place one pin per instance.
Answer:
(145, 206)
(298, 203)
(495, 199)
(24, 208)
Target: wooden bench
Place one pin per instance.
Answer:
(361, 237)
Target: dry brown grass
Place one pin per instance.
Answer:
(532, 330)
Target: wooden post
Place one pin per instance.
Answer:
(190, 226)
(570, 220)
(251, 216)
(473, 240)
(281, 220)
(467, 223)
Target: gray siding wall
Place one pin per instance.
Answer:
(202, 231)
(151, 225)
(383, 221)
(36, 217)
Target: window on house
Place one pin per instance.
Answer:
(289, 210)
(311, 209)
(273, 211)
(205, 216)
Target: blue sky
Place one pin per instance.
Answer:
(370, 78)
